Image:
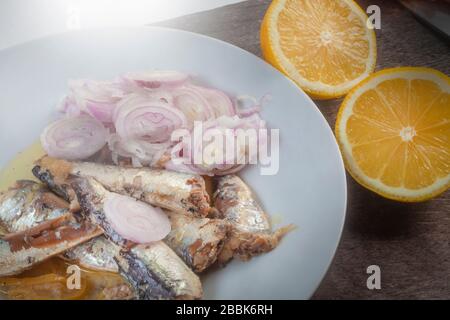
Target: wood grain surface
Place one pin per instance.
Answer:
(410, 242)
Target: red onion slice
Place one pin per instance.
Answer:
(100, 110)
(192, 103)
(69, 107)
(157, 79)
(248, 105)
(145, 119)
(141, 152)
(74, 138)
(230, 170)
(141, 111)
(135, 220)
(219, 102)
(96, 98)
(103, 91)
(186, 168)
(230, 162)
(160, 95)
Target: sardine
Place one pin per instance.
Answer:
(251, 232)
(198, 241)
(20, 251)
(156, 272)
(91, 195)
(27, 204)
(153, 270)
(96, 254)
(118, 292)
(178, 192)
(37, 225)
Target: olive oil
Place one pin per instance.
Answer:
(19, 168)
(48, 279)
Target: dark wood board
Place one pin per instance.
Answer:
(410, 242)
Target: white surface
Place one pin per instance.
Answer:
(309, 190)
(23, 20)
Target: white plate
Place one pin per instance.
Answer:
(309, 190)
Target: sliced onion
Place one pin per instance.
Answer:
(101, 111)
(229, 170)
(184, 168)
(145, 119)
(69, 107)
(157, 79)
(220, 125)
(74, 138)
(193, 104)
(96, 98)
(135, 220)
(141, 110)
(96, 90)
(141, 152)
(129, 87)
(219, 102)
(161, 95)
(248, 105)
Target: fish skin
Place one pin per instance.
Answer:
(12, 262)
(22, 250)
(92, 196)
(27, 204)
(37, 225)
(198, 241)
(96, 254)
(251, 232)
(118, 292)
(158, 273)
(146, 284)
(25, 197)
(178, 192)
(46, 177)
(153, 270)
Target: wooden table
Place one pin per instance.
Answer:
(410, 242)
